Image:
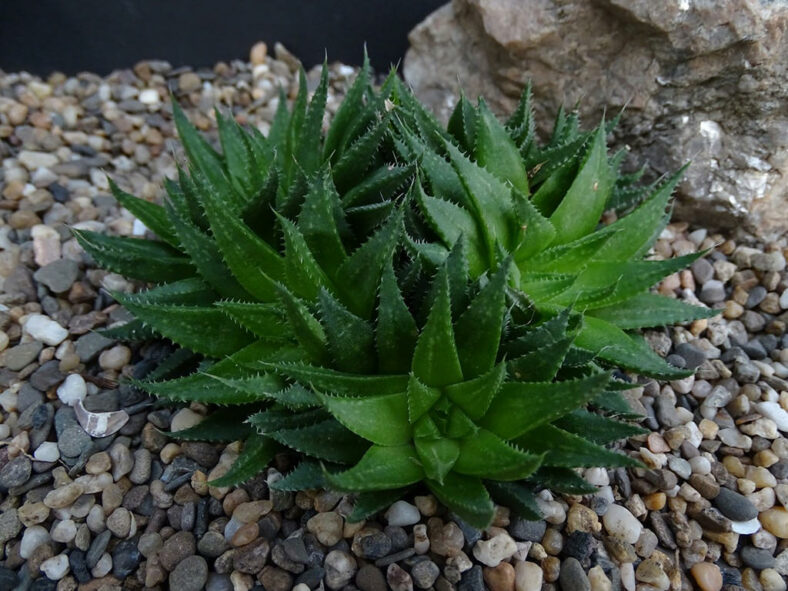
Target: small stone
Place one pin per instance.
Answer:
(21, 355)
(16, 472)
(189, 82)
(251, 558)
(712, 292)
(103, 566)
(47, 452)
(620, 522)
(327, 527)
(45, 330)
(46, 244)
(424, 574)
(122, 460)
(58, 275)
(212, 544)
(63, 496)
(500, 578)
(98, 463)
(64, 531)
(340, 568)
(527, 576)
(11, 524)
(191, 574)
(176, 548)
(119, 522)
(707, 576)
(125, 558)
(529, 531)
(495, 550)
(150, 543)
(115, 358)
(757, 558)
(734, 506)
(185, 418)
(33, 537)
(775, 521)
(398, 579)
(573, 577)
(651, 572)
(771, 580)
(55, 568)
(403, 514)
(72, 390)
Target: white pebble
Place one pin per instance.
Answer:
(184, 418)
(64, 531)
(5, 431)
(495, 550)
(746, 527)
(45, 330)
(628, 576)
(103, 566)
(32, 538)
(700, 465)
(72, 390)
(149, 96)
(527, 576)
(9, 399)
(775, 412)
(402, 513)
(55, 568)
(47, 452)
(621, 523)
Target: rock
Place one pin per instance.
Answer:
(651, 572)
(252, 557)
(119, 522)
(374, 546)
(498, 548)
(573, 577)
(191, 574)
(424, 574)
(707, 576)
(55, 568)
(46, 244)
(527, 576)
(72, 390)
(340, 567)
(45, 330)
(125, 558)
(58, 275)
(619, 522)
(20, 356)
(771, 580)
(33, 160)
(757, 558)
(398, 579)
(734, 506)
(63, 496)
(370, 578)
(327, 527)
(528, 531)
(775, 521)
(177, 548)
(10, 525)
(115, 358)
(402, 513)
(500, 578)
(33, 537)
(16, 472)
(686, 72)
(184, 418)
(73, 441)
(775, 412)
(64, 531)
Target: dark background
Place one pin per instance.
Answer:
(42, 36)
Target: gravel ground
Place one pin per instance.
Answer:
(132, 510)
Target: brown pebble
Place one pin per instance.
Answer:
(707, 576)
(500, 578)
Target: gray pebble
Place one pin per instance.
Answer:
(58, 275)
(573, 577)
(72, 441)
(735, 506)
(16, 472)
(712, 292)
(190, 574)
(757, 558)
(15, 358)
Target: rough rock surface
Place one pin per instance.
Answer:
(702, 81)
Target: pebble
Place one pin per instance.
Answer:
(58, 275)
(72, 390)
(757, 558)
(775, 521)
(493, 551)
(184, 418)
(707, 576)
(619, 522)
(190, 574)
(63, 496)
(64, 531)
(340, 568)
(55, 568)
(734, 506)
(403, 514)
(327, 527)
(527, 576)
(32, 538)
(15, 473)
(47, 452)
(115, 358)
(424, 574)
(573, 577)
(45, 330)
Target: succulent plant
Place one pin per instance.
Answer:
(493, 185)
(325, 303)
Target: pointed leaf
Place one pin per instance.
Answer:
(381, 468)
(256, 454)
(329, 380)
(465, 496)
(597, 428)
(541, 365)
(351, 340)
(153, 216)
(327, 440)
(317, 222)
(223, 424)
(486, 455)
(396, 331)
(522, 406)
(582, 206)
(421, 398)
(496, 151)
(437, 456)
(564, 449)
(308, 475)
(266, 321)
(382, 419)
(304, 275)
(306, 328)
(369, 503)
(649, 309)
(564, 480)
(435, 360)
(517, 497)
(474, 396)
